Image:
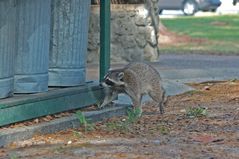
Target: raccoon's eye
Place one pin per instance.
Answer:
(121, 76)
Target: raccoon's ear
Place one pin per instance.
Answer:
(121, 75)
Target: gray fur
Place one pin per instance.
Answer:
(136, 80)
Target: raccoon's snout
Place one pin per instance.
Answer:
(103, 84)
(109, 82)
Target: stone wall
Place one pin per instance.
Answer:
(133, 34)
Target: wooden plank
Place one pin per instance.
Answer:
(26, 107)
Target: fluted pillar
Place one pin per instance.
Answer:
(7, 46)
(69, 36)
(32, 50)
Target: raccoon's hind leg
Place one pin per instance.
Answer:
(159, 100)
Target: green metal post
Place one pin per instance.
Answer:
(104, 37)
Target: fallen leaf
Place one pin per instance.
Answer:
(2, 153)
(206, 138)
(183, 111)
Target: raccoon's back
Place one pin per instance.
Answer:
(144, 71)
(148, 76)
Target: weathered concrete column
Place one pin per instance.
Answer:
(7, 46)
(32, 52)
(69, 37)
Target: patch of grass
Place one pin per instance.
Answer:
(88, 126)
(125, 125)
(233, 80)
(78, 134)
(13, 156)
(222, 33)
(221, 28)
(118, 126)
(193, 92)
(163, 129)
(133, 115)
(196, 112)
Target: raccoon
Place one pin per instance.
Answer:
(135, 80)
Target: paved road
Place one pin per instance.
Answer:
(176, 70)
(201, 67)
(179, 69)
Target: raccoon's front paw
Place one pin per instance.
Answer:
(100, 105)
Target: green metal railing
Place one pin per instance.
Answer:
(104, 37)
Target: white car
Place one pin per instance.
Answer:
(189, 7)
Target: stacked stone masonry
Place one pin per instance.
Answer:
(133, 36)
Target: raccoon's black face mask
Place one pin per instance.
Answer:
(114, 78)
(109, 82)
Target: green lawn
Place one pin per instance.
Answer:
(221, 32)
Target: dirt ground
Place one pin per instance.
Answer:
(212, 132)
